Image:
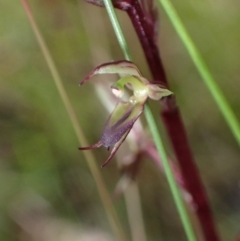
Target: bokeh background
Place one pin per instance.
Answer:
(46, 189)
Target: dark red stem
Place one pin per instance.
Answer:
(145, 35)
(200, 204)
(173, 121)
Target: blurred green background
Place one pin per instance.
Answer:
(46, 189)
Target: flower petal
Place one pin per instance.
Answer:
(122, 67)
(156, 92)
(140, 89)
(96, 145)
(120, 122)
(116, 147)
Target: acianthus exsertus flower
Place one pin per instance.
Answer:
(126, 112)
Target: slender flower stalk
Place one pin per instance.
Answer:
(173, 186)
(103, 192)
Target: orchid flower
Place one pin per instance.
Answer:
(125, 114)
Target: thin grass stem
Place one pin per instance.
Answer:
(202, 68)
(169, 175)
(103, 192)
(155, 133)
(117, 28)
(133, 204)
(131, 195)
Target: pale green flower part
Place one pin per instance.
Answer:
(127, 112)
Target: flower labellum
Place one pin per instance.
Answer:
(125, 114)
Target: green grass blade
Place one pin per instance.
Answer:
(117, 28)
(155, 133)
(169, 175)
(103, 192)
(217, 94)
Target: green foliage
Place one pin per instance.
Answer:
(38, 147)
